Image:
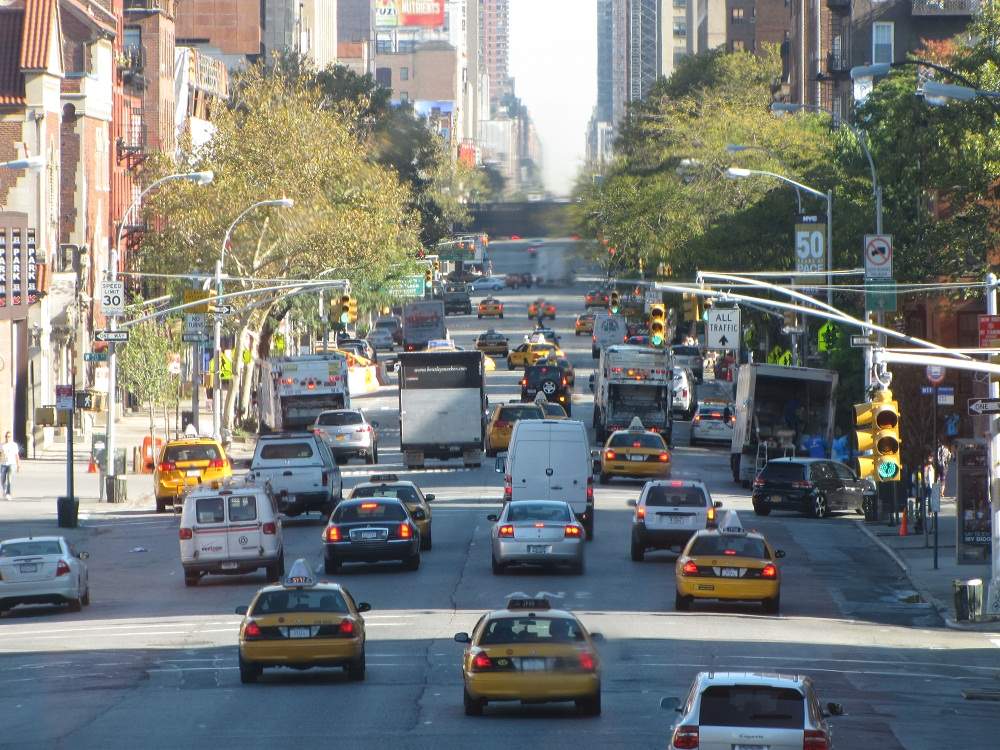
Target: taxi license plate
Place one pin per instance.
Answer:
(230, 565)
(538, 549)
(300, 632)
(193, 472)
(29, 568)
(730, 573)
(751, 747)
(532, 665)
(636, 458)
(340, 437)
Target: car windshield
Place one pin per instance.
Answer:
(200, 452)
(531, 630)
(515, 413)
(678, 497)
(339, 418)
(34, 547)
(553, 410)
(278, 451)
(373, 511)
(726, 544)
(522, 511)
(643, 440)
(752, 706)
(401, 492)
(783, 472)
(296, 600)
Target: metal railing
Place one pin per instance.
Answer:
(945, 7)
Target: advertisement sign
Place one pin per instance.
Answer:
(973, 512)
(722, 328)
(810, 245)
(399, 14)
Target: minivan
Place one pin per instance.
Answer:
(549, 459)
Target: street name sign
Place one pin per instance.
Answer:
(861, 342)
(989, 331)
(65, 401)
(878, 256)
(223, 309)
(194, 337)
(120, 336)
(408, 286)
(978, 406)
(945, 395)
(722, 328)
(95, 356)
(113, 298)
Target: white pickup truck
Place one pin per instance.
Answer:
(301, 471)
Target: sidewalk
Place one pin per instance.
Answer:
(916, 560)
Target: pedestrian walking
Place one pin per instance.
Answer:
(10, 462)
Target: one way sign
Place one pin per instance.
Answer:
(979, 406)
(722, 328)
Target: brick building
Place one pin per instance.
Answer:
(230, 30)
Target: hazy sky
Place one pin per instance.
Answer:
(553, 59)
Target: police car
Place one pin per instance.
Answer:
(532, 653)
(302, 623)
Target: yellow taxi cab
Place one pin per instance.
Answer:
(531, 653)
(390, 485)
(502, 421)
(552, 410)
(541, 308)
(584, 323)
(531, 353)
(491, 307)
(635, 452)
(731, 564)
(300, 623)
(186, 463)
(492, 342)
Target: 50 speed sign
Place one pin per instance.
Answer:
(113, 297)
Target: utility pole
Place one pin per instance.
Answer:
(993, 596)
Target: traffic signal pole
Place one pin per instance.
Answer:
(993, 597)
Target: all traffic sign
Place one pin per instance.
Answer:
(978, 406)
(120, 336)
(878, 256)
(722, 328)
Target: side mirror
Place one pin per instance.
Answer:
(462, 638)
(429, 497)
(717, 503)
(597, 637)
(364, 607)
(779, 553)
(241, 610)
(83, 555)
(670, 704)
(375, 425)
(834, 709)
(493, 517)
(419, 515)
(632, 503)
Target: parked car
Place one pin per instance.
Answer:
(488, 284)
(811, 486)
(42, 570)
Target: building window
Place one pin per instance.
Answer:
(132, 38)
(737, 45)
(407, 45)
(736, 15)
(679, 58)
(680, 28)
(383, 77)
(882, 42)
(404, 96)
(383, 45)
(404, 74)
(680, 3)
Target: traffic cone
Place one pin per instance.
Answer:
(903, 531)
(92, 465)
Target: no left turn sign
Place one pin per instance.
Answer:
(878, 256)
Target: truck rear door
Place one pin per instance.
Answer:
(243, 533)
(210, 529)
(531, 472)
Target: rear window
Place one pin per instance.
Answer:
(739, 546)
(637, 441)
(553, 410)
(388, 325)
(538, 512)
(209, 510)
(783, 472)
(24, 549)
(713, 415)
(406, 494)
(242, 508)
(687, 351)
(683, 497)
(374, 511)
(515, 413)
(281, 451)
(272, 602)
(535, 375)
(752, 706)
(338, 418)
(206, 452)
(531, 630)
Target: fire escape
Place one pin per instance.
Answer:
(131, 148)
(835, 75)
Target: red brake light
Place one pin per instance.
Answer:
(346, 627)
(216, 463)
(369, 506)
(364, 428)
(62, 568)
(640, 512)
(524, 381)
(610, 455)
(686, 737)
(333, 534)
(689, 568)
(590, 488)
(481, 661)
(185, 534)
(168, 466)
(665, 457)
(269, 527)
(677, 483)
(539, 525)
(502, 424)
(587, 662)
(572, 531)
(758, 482)
(405, 532)
(815, 739)
(506, 530)
(769, 571)
(508, 490)
(252, 630)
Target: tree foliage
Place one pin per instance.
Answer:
(142, 366)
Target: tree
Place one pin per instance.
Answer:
(142, 367)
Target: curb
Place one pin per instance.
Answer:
(943, 609)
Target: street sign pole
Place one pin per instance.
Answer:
(109, 462)
(993, 600)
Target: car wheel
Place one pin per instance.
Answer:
(603, 478)
(75, 605)
(682, 603)
(509, 365)
(412, 563)
(370, 458)
(331, 565)
(637, 551)
(761, 509)
(272, 571)
(473, 706)
(590, 706)
(356, 668)
(85, 599)
(161, 505)
(249, 672)
(819, 508)
(772, 606)
(501, 316)
(426, 542)
(498, 568)
(577, 333)
(693, 441)
(480, 317)
(588, 528)
(579, 568)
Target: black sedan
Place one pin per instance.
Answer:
(812, 486)
(371, 530)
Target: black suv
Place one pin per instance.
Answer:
(550, 380)
(457, 301)
(812, 486)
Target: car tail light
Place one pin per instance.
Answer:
(508, 488)
(758, 482)
(506, 531)
(769, 571)
(269, 528)
(610, 455)
(168, 466)
(346, 627)
(572, 531)
(216, 463)
(815, 739)
(405, 532)
(332, 534)
(185, 534)
(481, 662)
(802, 485)
(665, 457)
(689, 568)
(697, 419)
(62, 568)
(364, 428)
(686, 737)
(369, 506)
(640, 512)
(502, 424)
(565, 382)
(710, 515)
(524, 381)
(587, 661)
(590, 489)
(251, 631)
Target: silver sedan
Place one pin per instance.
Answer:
(42, 570)
(537, 532)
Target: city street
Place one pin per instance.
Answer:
(153, 664)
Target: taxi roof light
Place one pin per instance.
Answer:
(383, 478)
(523, 601)
(300, 574)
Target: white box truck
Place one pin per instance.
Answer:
(608, 330)
(633, 381)
(292, 391)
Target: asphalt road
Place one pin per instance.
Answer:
(153, 664)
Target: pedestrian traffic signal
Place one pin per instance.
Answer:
(692, 307)
(657, 325)
(345, 310)
(878, 431)
(615, 303)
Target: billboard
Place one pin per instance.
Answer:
(397, 14)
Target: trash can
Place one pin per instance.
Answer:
(968, 599)
(67, 511)
(115, 489)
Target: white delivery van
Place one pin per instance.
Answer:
(549, 459)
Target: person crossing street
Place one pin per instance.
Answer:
(10, 462)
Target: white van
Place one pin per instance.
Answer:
(231, 529)
(549, 459)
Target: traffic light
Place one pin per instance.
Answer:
(335, 311)
(429, 277)
(615, 303)
(692, 307)
(878, 431)
(345, 310)
(437, 265)
(352, 311)
(657, 325)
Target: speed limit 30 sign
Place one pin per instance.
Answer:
(113, 298)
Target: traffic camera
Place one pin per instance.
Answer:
(878, 431)
(657, 325)
(615, 303)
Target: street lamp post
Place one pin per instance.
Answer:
(34, 163)
(735, 148)
(966, 92)
(217, 342)
(199, 178)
